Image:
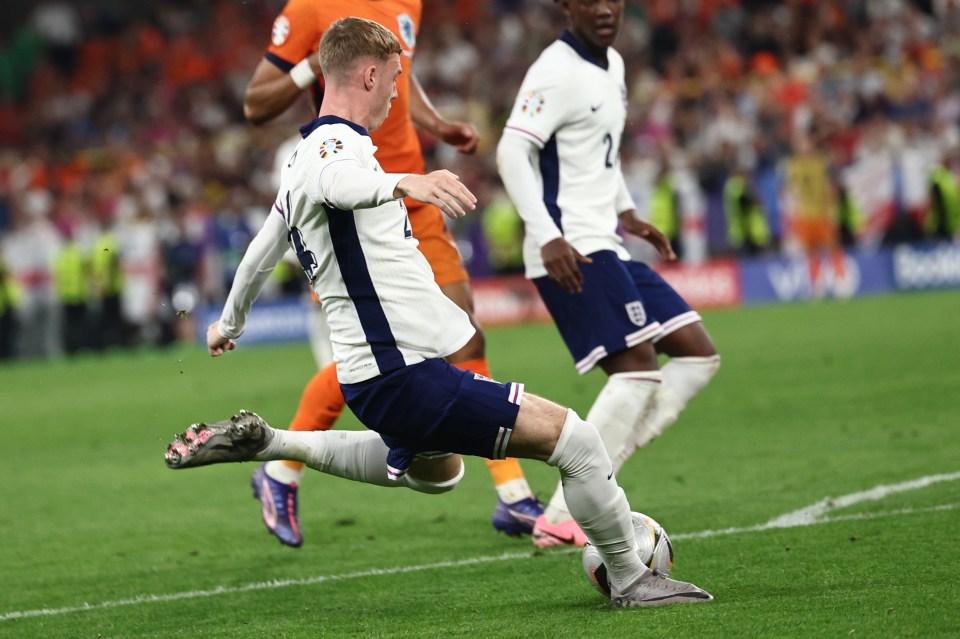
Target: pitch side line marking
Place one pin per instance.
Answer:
(814, 513)
(779, 522)
(375, 572)
(824, 520)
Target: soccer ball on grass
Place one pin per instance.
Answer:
(653, 547)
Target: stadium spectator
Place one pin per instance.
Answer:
(811, 200)
(665, 211)
(58, 24)
(747, 227)
(943, 219)
(337, 204)
(9, 301)
(72, 280)
(559, 160)
(850, 222)
(183, 251)
(503, 231)
(107, 289)
(139, 239)
(30, 251)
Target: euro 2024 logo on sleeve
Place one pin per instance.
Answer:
(329, 147)
(532, 104)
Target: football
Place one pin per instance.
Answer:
(653, 546)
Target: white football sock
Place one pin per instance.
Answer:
(514, 490)
(683, 379)
(596, 501)
(355, 455)
(282, 473)
(626, 399)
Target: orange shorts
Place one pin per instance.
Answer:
(815, 233)
(436, 243)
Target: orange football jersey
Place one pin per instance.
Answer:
(296, 34)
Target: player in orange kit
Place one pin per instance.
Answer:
(291, 67)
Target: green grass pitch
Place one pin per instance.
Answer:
(844, 416)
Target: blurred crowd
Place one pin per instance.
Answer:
(130, 183)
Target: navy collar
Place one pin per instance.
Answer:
(569, 38)
(310, 127)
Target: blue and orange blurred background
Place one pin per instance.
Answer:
(791, 150)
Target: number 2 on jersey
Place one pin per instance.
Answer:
(612, 152)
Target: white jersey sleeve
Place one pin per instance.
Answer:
(543, 105)
(262, 256)
(344, 182)
(516, 157)
(539, 110)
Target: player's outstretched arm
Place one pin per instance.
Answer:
(262, 255)
(270, 92)
(441, 188)
(462, 136)
(648, 232)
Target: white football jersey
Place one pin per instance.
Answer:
(354, 242)
(573, 109)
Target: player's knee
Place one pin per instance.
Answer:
(580, 449)
(537, 431)
(586, 439)
(700, 367)
(441, 477)
(435, 486)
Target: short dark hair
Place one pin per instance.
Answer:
(350, 39)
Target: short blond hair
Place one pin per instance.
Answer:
(350, 39)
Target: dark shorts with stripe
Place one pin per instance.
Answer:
(623, 303)
(432, 406)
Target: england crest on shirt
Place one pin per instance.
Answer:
(408, 33)
(636, 313)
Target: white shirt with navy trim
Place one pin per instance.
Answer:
(573, 109)
(337, 211)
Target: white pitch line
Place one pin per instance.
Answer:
(784, 521)
(261, 585)
(815, 511)
(770, 525)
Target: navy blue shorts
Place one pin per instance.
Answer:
(623, 303)
(432, 406)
